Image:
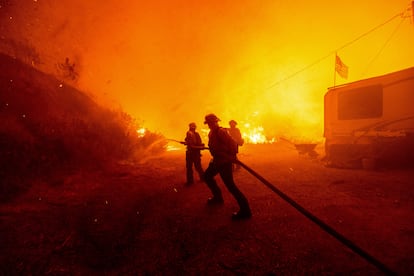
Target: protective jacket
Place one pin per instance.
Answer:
(236, 135)
(222, 147)
(193, 141)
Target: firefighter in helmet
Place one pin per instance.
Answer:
(237, 137)
(223, 149)
(193, 154)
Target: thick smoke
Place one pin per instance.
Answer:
(168, 63)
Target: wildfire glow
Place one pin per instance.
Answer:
(169, 63)
(141, 132)
(254, 135)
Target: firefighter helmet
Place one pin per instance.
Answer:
(211, 118)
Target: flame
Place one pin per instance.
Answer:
(254, 135)
(141, 132)
(257, 62)
(253, 132)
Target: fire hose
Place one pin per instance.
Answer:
(178, 141)
(382, 267)
(200, 147)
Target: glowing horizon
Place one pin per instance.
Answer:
(168, 63)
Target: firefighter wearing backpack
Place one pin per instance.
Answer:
(223, 149)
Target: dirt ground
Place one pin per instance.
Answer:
(140, 219)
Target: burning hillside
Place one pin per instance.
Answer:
(46, 125)
(168, 63)
(77, 198)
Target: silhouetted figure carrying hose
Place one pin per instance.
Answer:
(223, 149)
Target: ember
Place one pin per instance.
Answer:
(141, 132)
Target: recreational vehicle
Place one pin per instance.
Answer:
(370, 123)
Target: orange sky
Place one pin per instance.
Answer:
(170, 62)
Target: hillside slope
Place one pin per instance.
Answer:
(47, 126)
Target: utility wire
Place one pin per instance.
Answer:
(401, 14)
(383, 46)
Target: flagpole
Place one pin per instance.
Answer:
(335, 70)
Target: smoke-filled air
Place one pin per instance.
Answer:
(102, 171)
(265, 64)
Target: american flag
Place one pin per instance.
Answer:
(341, 68)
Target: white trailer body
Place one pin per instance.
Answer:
(371, 120)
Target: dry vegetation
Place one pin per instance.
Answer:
(48, 127)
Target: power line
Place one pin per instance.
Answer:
(383, 46)
(401, 14)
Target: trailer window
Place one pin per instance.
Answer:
(360, 103)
